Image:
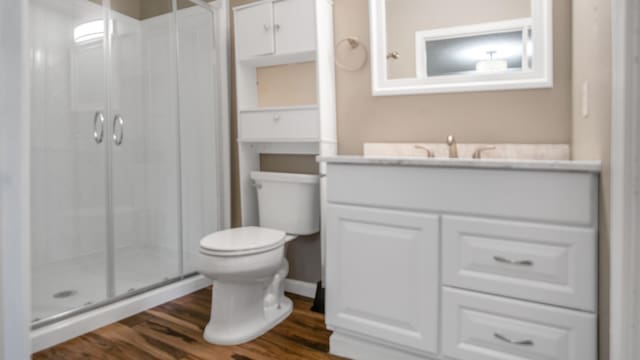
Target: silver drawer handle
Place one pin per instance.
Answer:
(509, 341)
(118, 130)
(98, 132)
(500, 259)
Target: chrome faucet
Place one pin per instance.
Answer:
(478, 153)
(429, 152)
(453, 147)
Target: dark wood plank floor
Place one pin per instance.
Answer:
(174, 331)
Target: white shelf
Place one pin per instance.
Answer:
(280, 59)
(271, 140)
(279, 108)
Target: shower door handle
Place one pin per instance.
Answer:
(118, 130)
(98, 127)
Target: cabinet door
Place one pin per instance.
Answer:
(254, 30)
(295, 25)
(382, 275)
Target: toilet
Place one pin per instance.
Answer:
(248, 265)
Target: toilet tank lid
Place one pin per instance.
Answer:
(259, 176)
(241, 239)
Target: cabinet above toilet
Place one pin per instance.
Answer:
(281, 38)
(275, 32)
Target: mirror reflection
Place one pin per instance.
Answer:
(437, 39)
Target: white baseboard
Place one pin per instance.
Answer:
(64, 330)
(353, 347)
(301, 288)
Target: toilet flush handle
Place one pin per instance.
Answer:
(256, 184)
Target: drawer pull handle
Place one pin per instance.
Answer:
(509, 341)
(276, 117)
(500, 259)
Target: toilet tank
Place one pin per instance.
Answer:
(288, 202)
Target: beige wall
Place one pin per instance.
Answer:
(526, 116)
(142, 9)
(287, 85)
(235, 185)
(151, 8)
(406, 17)
(127, 7)
(591, 136)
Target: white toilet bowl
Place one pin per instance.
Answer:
(242, 270)
(248, 266)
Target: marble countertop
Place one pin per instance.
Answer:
(543, 165)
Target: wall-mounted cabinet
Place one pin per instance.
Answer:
(284, 27)
(276, 32)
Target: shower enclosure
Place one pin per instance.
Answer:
(127, 145)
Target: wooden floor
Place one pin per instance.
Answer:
(174, 331)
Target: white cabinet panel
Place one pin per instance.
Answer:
(484, 327)
(382, 275)
(542, 196)
(545, 263)
(295, 26)
(279, 125)
(254, 30)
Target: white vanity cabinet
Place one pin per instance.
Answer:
(464, 260)
(275, 28)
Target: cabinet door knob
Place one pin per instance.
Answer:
(276, 117)
(267, 27)
(277, 27)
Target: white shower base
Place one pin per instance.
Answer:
(136, 267)
(64, 330)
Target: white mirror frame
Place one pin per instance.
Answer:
(540, 76)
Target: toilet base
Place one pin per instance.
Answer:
(247, 326)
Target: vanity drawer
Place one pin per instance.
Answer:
(544, 263)
(279, 125)
(484, 327)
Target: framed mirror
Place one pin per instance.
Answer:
(441, 46)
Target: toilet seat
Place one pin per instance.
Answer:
(242, 241)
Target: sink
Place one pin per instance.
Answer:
(465, 151)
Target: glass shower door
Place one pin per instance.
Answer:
(119, 204)
(68, 156)
(200, 123)
(144, 147)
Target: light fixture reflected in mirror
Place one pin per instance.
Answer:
(491, 64)
(90, 31)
